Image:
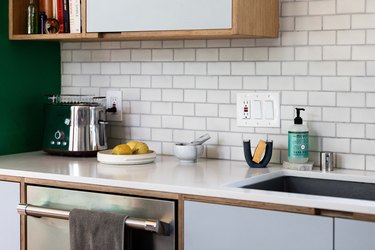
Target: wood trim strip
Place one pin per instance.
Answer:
(23, 219)
(181, 223)
(10, 178)
(252, 204)
(102, 189)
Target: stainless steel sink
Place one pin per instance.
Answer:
(317, 186)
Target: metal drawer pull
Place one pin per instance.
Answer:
(135, 223)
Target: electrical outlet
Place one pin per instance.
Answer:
(114, 99)
(258, 109)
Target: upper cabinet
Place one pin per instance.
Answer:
(161, 19)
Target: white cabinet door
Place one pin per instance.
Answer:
(221, 227)
(352, 234)
(9, 218)
(154, 15)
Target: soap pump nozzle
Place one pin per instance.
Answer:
(298, 119)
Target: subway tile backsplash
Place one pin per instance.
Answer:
(174, 91)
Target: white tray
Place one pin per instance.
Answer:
(107, 157)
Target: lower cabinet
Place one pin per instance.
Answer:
(222, 227)
(352, 234)
(9, 218)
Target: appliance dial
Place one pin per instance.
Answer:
(59, 135)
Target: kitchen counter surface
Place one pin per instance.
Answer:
(214, 178)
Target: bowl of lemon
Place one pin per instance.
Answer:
(130, 153)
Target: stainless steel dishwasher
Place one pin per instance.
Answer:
(151, 221)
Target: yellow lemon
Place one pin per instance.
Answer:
(122, 149)
(132, 144)
(141, 148)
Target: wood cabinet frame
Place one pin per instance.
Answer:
(250, 19)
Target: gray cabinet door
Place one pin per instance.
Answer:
(221, 227)
(352, 234)
(9, 218)
(160, 15)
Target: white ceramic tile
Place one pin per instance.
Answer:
(268, 68)
(173, 68)
(195, 123)
(195, 96)
(164, 135)
(363, 21)
(322, 37)
(218, 124)
(347, 6)
(184, 109)
(120, 55)
(230, 82)
(207, 54)
(255, 54)
(294, 68)
(231, 54)
(322, 7)
(351, 99)
(294, 8)
(195, 68)
(336, 145)
(218, 68)
(218, 96)
(338, 22)
(172, 122)
(255, 82)
(151, 121)
(243, 68)
(281, 54)
(184, 55)
(161, 108)
(308, 23)
(172, 95)
(350, 130)
(336, 52)
(183, 82)
(206, 109)
(163, 55)
(336, 114)
(351, 36)
(151, 94)
(322, 99)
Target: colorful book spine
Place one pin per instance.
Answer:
(75, 16)
(60, 15)
(66, 16)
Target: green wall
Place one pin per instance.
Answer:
(28, 71)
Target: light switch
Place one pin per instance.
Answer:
(268, 110)
(258, 109)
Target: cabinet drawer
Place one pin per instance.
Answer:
(44, 232)
(158, 15)
(221, 227)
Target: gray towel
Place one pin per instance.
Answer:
(94, 230)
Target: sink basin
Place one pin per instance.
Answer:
(316, 186)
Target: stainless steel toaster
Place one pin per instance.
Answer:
(74, 125)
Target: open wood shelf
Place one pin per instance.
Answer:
(250, 19)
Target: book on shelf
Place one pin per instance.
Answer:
(75, 16)
(66, 16)
(60, 15)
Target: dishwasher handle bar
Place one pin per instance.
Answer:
(154, 226)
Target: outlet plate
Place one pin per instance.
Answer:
(258, 109)
(114, 97)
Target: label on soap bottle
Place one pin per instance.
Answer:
(298, 144)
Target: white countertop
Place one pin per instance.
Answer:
(215, 178)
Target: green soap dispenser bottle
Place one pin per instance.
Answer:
(298, 140)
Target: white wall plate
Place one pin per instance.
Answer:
(258, 109)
